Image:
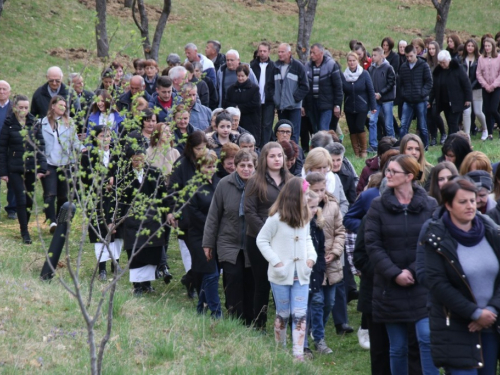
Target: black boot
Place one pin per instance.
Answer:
(26, 237)
(433, 141)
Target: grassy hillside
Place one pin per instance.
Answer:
(40, 326)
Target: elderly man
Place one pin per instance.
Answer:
(42, 95)
(80, 100)
(192, 56)
(137, 88)
(6, 111)
(213, 96)
(179, 76)
(173, 59)
(263, 68)
(289, 88)
(212, 51)
(325, 89)
(226, 76)
(201, 116)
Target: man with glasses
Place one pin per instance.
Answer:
(53, 87)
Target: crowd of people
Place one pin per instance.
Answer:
(277, 207)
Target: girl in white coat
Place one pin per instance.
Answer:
(285, 242)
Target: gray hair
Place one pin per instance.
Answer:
(246, 138)
(141, 79)
(233, 111)
(216, 111)
(288, 46)
(318, 46)
(335, 148)
(188, 86)
(191, 46)
(233, 52)
(72, 76)
(444, 55)
(127, 77)
(197, 65)
(321, 139)
(7, 83)
(216, 44)
(55, 69)
(177, 72)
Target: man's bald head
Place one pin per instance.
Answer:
(4, 91)
(54, 77)
(136, 84)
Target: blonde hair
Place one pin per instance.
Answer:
(320, 219)
(317, 157)
(482, 161)
(354, 54)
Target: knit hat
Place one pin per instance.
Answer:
(283, 124)
(481, 179)
(173, 58)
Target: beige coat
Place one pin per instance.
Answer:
(162, 158)
(334, 239)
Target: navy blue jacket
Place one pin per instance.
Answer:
(359, 96)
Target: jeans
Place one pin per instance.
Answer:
(267, 119)
(379, 347)
(291, 300)
(421, 111)
(339, 305)
(294, 116)
(320, 119)
(398, 338)
(207, 286)
(388, 117)
(55, 184)
(490, 350)
(317, 310)
(259, 266)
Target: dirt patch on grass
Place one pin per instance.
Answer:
(84, 54)
(116, 8)
(282, 7)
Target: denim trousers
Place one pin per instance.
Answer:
(294, 116)
(317, 310)
(420, 109)
(291, 300)
(490, 350)
(398, 339)
(208, 293)
(386, 108)
(320, 119)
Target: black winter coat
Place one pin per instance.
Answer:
(349, 181)
(457, 84)
(391, 237)
(359, 96)
(451, 300)
(494, 213)
(475, 85)
(415, 84)
(41, 99)
(255, 65)
(125, 101)
(330, 85)
(196, 213)
(384, 81)
(80, 109)
(362, 263)
(13, 146)
(393, 59)
(246, 97)
(319, 268)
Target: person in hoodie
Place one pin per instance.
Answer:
(384, 84)
(451, 90)
(164, 98)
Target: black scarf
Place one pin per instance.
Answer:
(470, 238)
(241, 187)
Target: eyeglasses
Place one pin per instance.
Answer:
(287, 132)
(54, 80)
(392, 172)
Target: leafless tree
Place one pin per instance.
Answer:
(101, 32)
(307, 12)
(151, 51)
(128, 3)
(442, 8)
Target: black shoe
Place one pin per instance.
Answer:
(163, 273)
(186, 281)
(138, 291)
(148, 289)
(474, 130)
(443, 139)
(490, 137)
(343, 329)
(308, 354)
(352, 295)
(103, 276)
(26, 238)
(167, 276)
(433, 141)
(12, 215)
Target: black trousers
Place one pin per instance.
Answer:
(355, 122)
(261, 283)
(55, 184)
(23, 186)
(379, 347)
(491, 101)
(239, 289)
(434, 122)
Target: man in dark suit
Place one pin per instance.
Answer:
(43, 95)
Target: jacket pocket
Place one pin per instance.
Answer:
(361, 98)
(279, 273)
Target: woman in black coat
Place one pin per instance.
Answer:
(246, 96)
(204, 267)
(97, 179)
(459, 261)
(17, 159)
(392, 228)
(451, 90)
(142, 191)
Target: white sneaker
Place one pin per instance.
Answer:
(484, 135)
(52, 228)
(364, 338)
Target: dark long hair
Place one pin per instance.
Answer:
(194, 139)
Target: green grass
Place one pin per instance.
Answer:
(41, 328)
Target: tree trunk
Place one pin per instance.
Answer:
(160, 28)
(442, 8)
(101, 33)
(128, 3)
(143, 26)
(307, 12)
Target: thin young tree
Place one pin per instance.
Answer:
(101, 32)
(307, 12)
(442, 8)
